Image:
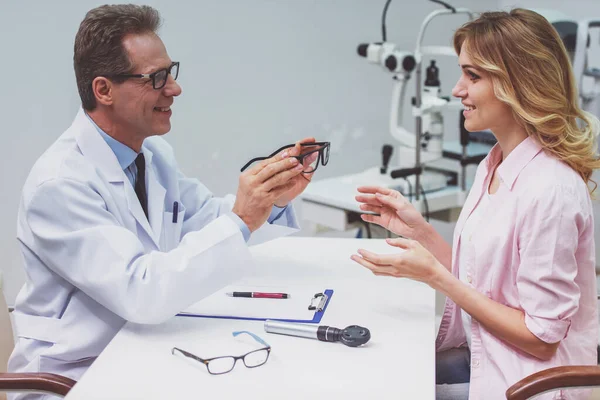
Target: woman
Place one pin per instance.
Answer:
(520, 277)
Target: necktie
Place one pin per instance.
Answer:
(140, 182)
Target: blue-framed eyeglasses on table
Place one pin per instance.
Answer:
(224, 364)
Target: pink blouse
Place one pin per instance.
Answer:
(534, 252)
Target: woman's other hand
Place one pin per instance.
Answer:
(415, 262)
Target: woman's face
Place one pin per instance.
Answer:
(482, 109)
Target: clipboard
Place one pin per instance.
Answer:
(320, 304)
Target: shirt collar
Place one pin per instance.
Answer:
(509, 169)
(125, 155)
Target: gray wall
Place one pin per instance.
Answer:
(579, 9)
(256, 74)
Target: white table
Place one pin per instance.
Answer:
(398, 362)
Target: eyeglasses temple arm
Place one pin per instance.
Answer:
(256, 337)
(188, 354)
(251, 161)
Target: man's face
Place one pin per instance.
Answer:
(139, 108)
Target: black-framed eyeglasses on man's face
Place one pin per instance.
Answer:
(159, 78)
(223, 365)
(310, 154)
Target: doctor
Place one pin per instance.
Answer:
(109, 227)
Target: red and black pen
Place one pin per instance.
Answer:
(259, 295)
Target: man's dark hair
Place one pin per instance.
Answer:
(99, 44)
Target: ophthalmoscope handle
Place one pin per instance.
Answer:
(351, 336)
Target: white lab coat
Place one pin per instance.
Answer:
(93, 260)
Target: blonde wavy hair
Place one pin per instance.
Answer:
(531, 72)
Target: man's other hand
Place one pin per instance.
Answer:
(300, 181)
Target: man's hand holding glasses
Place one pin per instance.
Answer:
(308, 153)
(277, 179)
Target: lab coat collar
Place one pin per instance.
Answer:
(95, 148)
(125, 154)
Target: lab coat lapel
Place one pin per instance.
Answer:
(95, 149)
(135, 208)
(156, 198)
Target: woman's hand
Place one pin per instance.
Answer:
(415, 262)
(395, 213)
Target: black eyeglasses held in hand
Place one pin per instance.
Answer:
(159, 78)
(310, 154)
(224, 364)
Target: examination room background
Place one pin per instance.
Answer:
(256, 74)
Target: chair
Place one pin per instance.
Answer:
(27, 382)
(554, 379)
(557, 378)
